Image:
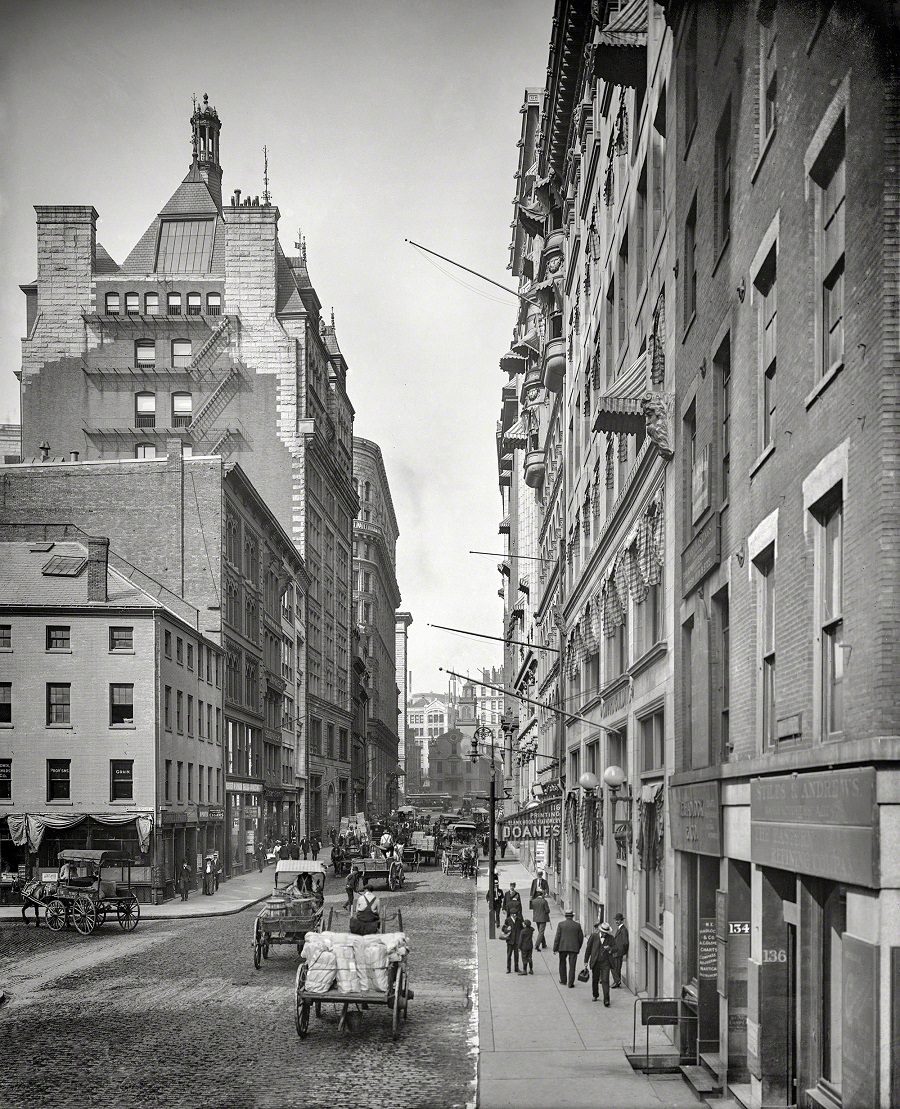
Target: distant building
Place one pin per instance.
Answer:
(402, 621)
(111, 712)
(453, 772)
(10, 442)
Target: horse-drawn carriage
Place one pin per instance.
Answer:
(90, 887)
(459, 853)
(295, 908)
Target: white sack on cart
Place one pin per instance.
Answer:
(376, 964)
(347, 973)
(321, 973)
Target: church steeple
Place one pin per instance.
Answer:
(205, 128)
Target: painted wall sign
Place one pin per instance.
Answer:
(695, 817)
(823, 824)
(707, 954)
(701, 555)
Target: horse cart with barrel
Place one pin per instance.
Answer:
(295, 907)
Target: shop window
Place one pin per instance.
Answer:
(121, 779)
(59, 779)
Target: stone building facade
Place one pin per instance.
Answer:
(211, 332)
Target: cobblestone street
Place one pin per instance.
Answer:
(174, 1014)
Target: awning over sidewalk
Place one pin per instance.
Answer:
(543, 821)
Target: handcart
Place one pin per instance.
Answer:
(294, 909)
(90, 886)
(384, 869)
(396, 996)
(425, 848)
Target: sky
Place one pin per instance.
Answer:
(385, 120)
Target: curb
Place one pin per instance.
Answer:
(202, 916)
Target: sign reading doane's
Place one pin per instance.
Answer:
(542, 822)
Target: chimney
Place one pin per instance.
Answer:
(98, 563)
(45, 451)
(73, 456)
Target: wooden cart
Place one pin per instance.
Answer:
(91, 886)
(290, 913)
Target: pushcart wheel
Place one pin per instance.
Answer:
(56, 915)
(257, 945)
(84, 913)
(128, 913)
(395, 1023)
(101, 915)
(265, 951)
(392, 881)
(403, 991)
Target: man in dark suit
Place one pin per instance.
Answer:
(567, 943)
(620, 949)
(539, 885)
(598, 956)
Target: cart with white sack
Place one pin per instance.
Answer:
(354, 973)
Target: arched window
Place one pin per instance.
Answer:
(173, 304)
(145, 354)
(181, 353)
(132, 304)
(182, 409)
(151, 304)
(145, 450)
(112, 304)
(194, 303)
(144, 410)
(213, 304)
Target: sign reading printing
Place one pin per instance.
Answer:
(541, 822)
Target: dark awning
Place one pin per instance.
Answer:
(620, 50)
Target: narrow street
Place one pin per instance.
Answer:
(174, 1014)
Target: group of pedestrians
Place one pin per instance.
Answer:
(604, 953)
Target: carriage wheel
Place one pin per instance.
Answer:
(101, 915)
(84, 913)
(392, 880)
(128, 913)
(403, 986)
(303, 1019)
(56, 915)
(398, 1004)
(257, 945)
(265, 951)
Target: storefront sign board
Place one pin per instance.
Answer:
(695, 817)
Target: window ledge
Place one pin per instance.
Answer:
(822, 384)
(61, 727)
(688, 326)
(56, 803)
(58, 650)
(767, 452)
(6, 801)
(762, 155)
(123, 727)
(723, 250)
(122, 651)
(6, 724)
(822, 1098)
(6, 650)
(657, 651)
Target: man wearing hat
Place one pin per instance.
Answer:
(567, 943)
(598, 956)
(620, 950)
(539, 885)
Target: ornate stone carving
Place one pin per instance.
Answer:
(657, 409)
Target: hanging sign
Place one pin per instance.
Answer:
(542, 822)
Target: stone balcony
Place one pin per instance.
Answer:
(535, 466)
(554, 364)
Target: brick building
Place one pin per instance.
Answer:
(223, 552)
(111, 713)
(784, 798)
(377, 599)
(208, 331)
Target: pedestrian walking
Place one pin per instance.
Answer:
(540, 911)
(511, 931)
(619, 949)
(351, 886)
(498, 900)
(526, 947)
(502, 848)
(184, 879)
(567, 943)
(284, 852)
(512, 901)
(294, 850)
(208, 878)
(598, 959)
(260, 858)
(539, 885)
(315, 845)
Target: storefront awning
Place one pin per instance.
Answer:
(620, 51)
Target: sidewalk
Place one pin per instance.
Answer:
(543, 1045)
(233, 896)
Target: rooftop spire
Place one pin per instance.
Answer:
(205, 128)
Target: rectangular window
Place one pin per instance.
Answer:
(179, 781)
(829, 176)
(617, 652)
(652, 735)
(200, 783)
(168, 782)
(182, 409)
(194, 304)
(185, 246)
(658, 164)
(179, 711)
(343, 744)
(722, 363)
(5, 702)
(121, 779)
(622, 280)
(179, 650)
(721, 668)
(6, 636)
(190, 656)
(723, 179)
(167, 716)
(59, 779)
(145, 354)
(765, 567)
(640, 233)
(5, 779)
(121, 639)
(648, 619)
(200, 719)
(690, 80)
(59, 703)
(766, 293)
(768, 72)
(830, 591)
(167, 640)
(315, 736)
(190, 782)
(132, 304)
(58, 638)
(190, 715)
(834, 924)
(690, 264)
(121, 704)
(151, 304)
(181, 353)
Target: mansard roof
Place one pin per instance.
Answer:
(191, 199)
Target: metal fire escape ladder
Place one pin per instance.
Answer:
(205, 354)
(215, 402)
